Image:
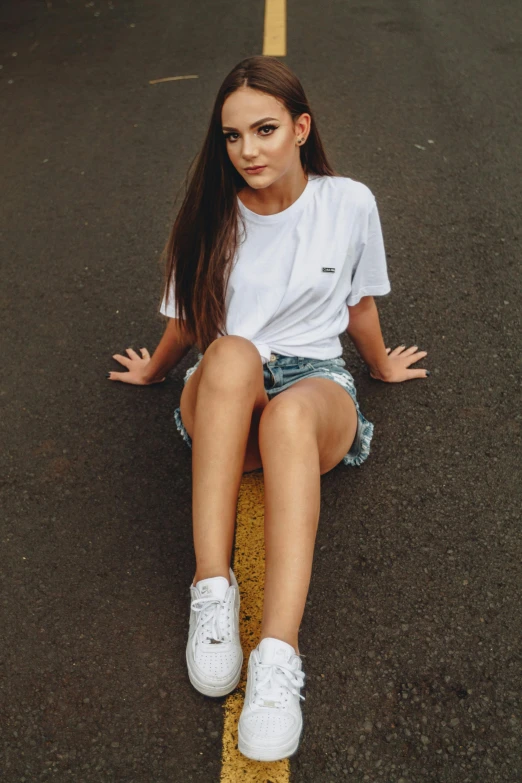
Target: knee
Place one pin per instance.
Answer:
(287, 415)
(231, 359)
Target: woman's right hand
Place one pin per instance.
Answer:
(137, 368)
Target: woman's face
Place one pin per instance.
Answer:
(271, 142)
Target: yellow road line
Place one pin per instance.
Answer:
(274, 38)
(249, 568)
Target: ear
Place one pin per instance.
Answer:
(302, 126)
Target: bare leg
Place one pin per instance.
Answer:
(303, 433)
(230, 387)
(292, 478)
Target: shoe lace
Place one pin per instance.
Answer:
(276, 680)
(213, 623)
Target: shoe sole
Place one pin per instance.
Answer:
(209, 690)
(262, 753)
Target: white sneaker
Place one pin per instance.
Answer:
(214, 654)
(270, 724)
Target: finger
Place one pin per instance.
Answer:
(409, 351)
(122, 359)
(388, 350)
(398, 350)
(145, 353)
(132, 353)
(417, 374)
(412, 358)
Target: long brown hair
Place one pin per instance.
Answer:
(204, 238)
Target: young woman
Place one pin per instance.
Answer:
(271, 257)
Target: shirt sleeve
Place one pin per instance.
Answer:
(169, 309)
(370, 273)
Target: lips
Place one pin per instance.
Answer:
(255, 168)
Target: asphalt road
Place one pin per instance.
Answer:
(413, 626)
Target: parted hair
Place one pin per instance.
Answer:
(203, 240)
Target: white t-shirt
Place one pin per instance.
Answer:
(296, 271)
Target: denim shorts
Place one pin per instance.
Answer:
(282, 371)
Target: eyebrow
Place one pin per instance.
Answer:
(254, 124)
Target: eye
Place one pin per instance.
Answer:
(228, 136)
(268, 127)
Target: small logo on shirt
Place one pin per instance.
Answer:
(328, 269)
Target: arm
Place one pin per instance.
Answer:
(364, 331)
(172, 348)
(144, 370)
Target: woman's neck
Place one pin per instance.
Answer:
(276, 197)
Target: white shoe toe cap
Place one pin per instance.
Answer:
(218, 664)
(267, 725)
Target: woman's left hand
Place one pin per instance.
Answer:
(400, 360)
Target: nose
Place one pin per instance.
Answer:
(249, 147)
